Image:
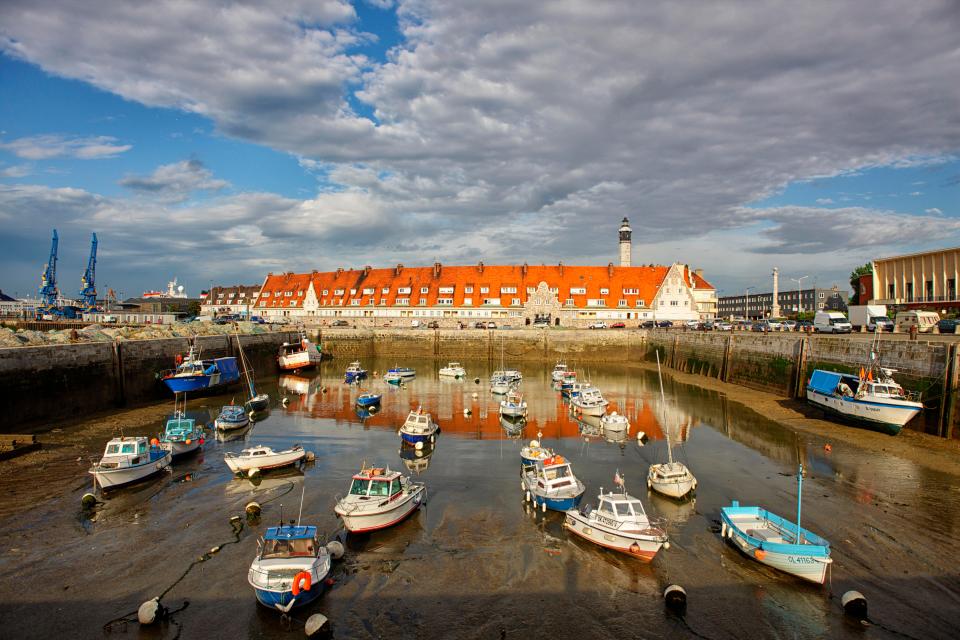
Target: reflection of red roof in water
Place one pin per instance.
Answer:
(549, 414)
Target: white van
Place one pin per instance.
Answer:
(924, 321)
(831, 322)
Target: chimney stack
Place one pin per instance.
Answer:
(610, 269)
(561, 269)
(436, 269)
(366, 270)
(399, 268)
(480, 267)
(524, 268)
(339, 270)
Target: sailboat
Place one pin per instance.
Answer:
(257, 401)
(775, 541)
(671, 479)
(502, 381)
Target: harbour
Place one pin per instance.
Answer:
(476, 560)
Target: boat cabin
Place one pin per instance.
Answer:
(417, 422)
(376, 483)
(621, 507)
(554, 473)
(290, 542)
(179, 428)
(256, 452)
(125, 447)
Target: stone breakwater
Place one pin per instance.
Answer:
(42, 384)
(107, 333)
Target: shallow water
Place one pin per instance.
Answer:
(475, 561)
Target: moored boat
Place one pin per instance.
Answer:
(195, 375)
(368, 399)
(881, 404)
(299, 355)
(378, 498)
(402, 372)
(262, 458)
(559, 370)
(182, 435)
(615, 425)
(589, 402)
(534, 451)
(550, 484)
(513, 427)
(500, 385)
(129, 459)
(290, 568)
(453, 370)
(513, 405)
(619, 522)
(354, 372)
(419, 427)
(672, 478)
(256, 401)
(231, 417)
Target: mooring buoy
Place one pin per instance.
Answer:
(150, 611)
(252, 508)
(310, 456)
(675, 597)
(335, 547)
(253, 472)
(315, 624)
(854, 604)
(418, 446)
(89, 501)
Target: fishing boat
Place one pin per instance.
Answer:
(262, 458)
(129, 459)
(559, 370)
(193, 374)
(302, 354)
(256, 401)
(573, 389)
(567, 381)
(615, 425)
(619, 522)
(589, 402)
(182, 435)
(378, 498)
(775, 541)
(404, 373)
(290, 568)
(534, 451)
(231, 417)
(419, 427)
(500, 385)
(550, 484)
(880, 404)
(354, 372)
(368, 399)
(513, 405)
(453, 370)
(672, 478)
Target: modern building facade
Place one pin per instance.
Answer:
(757, 306)
(918, 280)
(236, 300)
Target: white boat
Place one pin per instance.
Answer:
(880, 404)
(262, 458)
(453, 370)
(559, 370)
(418, 427)
(512, 375)
(290, 568)
(672, 478)
(619, 522)
(129, 459)
(589, 402)
(302, 354)
(550, 484)
(513, 405)
(500, 385)
(534, 451)
(354, 372)
(231, 417)
(615, 425)
(379, 498)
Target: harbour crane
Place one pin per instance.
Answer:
(48, 291)
(88, 293)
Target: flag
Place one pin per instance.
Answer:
(617, 478)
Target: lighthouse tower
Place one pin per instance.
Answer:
(625, 232)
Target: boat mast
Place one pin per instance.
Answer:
(663, 403)
(799, 496)
(246, 369)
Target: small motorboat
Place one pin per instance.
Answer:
(354, 372)
(500, 385)
(290, 568)
(534, 451)
(129, 459)
(262, 458)
(419, 427)
(559, 370)
(453, 370)
(368, 399)
(259, 402)
(881, 404)
(379, 498)
(620, 523)
(589, 402)
(513, 406)
(402, 372)
(299, 355)
(775, 541)
(567, 381)
(573, 390)
(193, 375)
(231, 417)
(550, 484)
(182, 435)
(615, 426)
(512, 375)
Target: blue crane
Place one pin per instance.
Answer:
(88, 293)
(48, 281)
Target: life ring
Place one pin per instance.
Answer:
(303, 577)
(760, 554)
(179, 359)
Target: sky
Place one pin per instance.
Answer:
(218, 141)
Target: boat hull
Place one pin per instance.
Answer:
(513, 412)
(263, 463)
(299, 360)
(280, 600)
(178, 449)
(640, 547)
(676, 488)
(115, 478)
(225, 425)
(595, 410)
(368, 402)
(559, 502)
(258, 403)
(198, 384)
(886, 418)
(357, 522)
(411, 438)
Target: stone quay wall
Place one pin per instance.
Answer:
(50, 382)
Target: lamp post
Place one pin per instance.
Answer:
(799, 282)
(746, 302)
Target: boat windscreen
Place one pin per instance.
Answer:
(557, 472)
(288, 548)
(380, 488)
(359, 487)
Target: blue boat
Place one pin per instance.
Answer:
(878, 403)
(354, 372)
(419, 427)
(402, 372)
(290, 568)
(368, 399)
(775, 541)
(232, 417)
(194, 375)
(550, 484)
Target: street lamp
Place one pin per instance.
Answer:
(746, 300)
(799, 282)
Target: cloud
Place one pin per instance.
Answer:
(16, 171)
(45, 147)
(916, 193)
(933, 211)
(175, 182)
(824, 200)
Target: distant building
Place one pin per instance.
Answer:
(925, 280)
(235, 300)
(760, 305)
(9, 306)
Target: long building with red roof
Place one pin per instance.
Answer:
(560, 294)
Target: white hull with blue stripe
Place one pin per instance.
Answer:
(882, 405)
(290, 568)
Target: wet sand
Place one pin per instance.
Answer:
(475, 563)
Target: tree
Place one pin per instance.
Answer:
(193, 308)
(855, 281)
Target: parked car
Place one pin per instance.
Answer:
(948, 325)
(692, 324)
(803, 325)
(541, 324)
(648, 324)
(759, 326)
(343, 323)
(664, 324)
(774, 325)
(723, 326)
(433, 324)
(789, 325)
(599, 324)
(618, 325)
(479, 325)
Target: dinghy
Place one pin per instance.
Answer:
(775, 541)
(354, 372)
(231, 417)
(672, 479)
(368, 399)
(262, 458)
(379, 498)
(619, 522)
(129, 459)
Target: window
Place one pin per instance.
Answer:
(326, 292)
(293, 303)
(266, 294)
(641, 302)
(403, 290)
(578, 291)
(568, 302)
(288, 293)
(422, 302)
(446, 291)
(424, 290)
(491, 301)
(402, 302)
(385, 291)
(263, 303)
(604, 291)
(484, 289)
(468, 301)
(596, 302)
(445, 301)
(220, 295)
(631, 292)
(353, 292)
(622, 303)
(515, 302)
(242, 294)
(355, 302)
(468, 289)
(820, 295)
(369, 291)
(508, 289)
(300, 293)
(338, 292)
